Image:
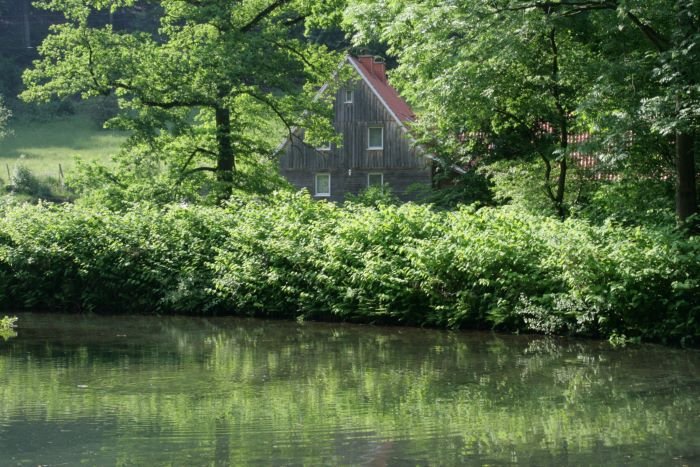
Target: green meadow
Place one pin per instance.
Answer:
(43, 146)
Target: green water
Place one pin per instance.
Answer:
(189, 391)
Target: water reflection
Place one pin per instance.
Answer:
(141, 390)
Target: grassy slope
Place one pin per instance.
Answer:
(42, 146)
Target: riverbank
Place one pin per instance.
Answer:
(290, 257)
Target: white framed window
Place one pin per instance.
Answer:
(347, 93)
(322, 184)
(375, 179)
(375, 137)
(324, 147)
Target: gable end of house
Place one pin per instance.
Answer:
(377, 149)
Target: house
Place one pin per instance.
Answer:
(376, 148)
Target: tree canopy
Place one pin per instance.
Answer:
(204, 91)
(214, 86)
(528, 73)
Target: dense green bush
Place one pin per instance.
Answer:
(28, 187)
(291, 257)
(632, 201)
(373, 196)
(472, 187)
(72, 258)
(24, 182)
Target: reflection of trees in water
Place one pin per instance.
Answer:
(235, 390)
(7, 323)
(7, 334)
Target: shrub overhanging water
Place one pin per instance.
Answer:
(291, 257)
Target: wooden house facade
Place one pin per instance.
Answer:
(376, 148)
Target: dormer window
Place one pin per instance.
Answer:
(348, 96)
(375, 137)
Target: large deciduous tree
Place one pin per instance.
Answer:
(476, 68)
(672, 32)
(650, 87)
(204, 88)
(572, 65)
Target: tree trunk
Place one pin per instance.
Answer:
(225, 163)
(686, 190)
(561, 185)
(563, 146)
(555, 90)
(27, 27)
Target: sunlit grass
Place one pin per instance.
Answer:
(43, 146)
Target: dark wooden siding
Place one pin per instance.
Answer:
(355, 180)
(401, 164)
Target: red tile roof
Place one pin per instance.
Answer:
(374, 73)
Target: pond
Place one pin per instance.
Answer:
(126, 390)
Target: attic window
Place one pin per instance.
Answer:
(324, 147)
(375, 137)
(348, 96)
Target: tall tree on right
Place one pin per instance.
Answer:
(672, 31)
(474, 67)
(652, 79)
(577, 64)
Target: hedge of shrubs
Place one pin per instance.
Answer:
(290, 257)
